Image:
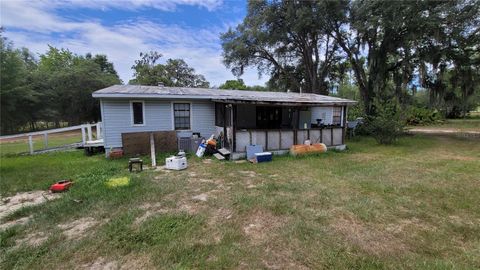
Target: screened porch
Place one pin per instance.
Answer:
(278, 126)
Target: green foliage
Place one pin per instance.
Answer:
(56, 88)
(175, 72)
(286, 40)
(240, 85)
(387, 124)
(17, 97)
(381, 43)
(350, 91)
(67, 82)
(234, 84)
(421, 116)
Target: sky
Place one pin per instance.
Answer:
(121, 29)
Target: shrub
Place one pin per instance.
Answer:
(421, 116)
(387, 123)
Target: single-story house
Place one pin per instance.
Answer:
(275, 120)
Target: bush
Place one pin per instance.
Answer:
(422, 116)
(387, 123)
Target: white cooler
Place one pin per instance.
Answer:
(176, 163)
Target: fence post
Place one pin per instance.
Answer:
(30, 144)
(45, 139)
(152, 150)
(89, 131)
(99, 134)
(83, 135)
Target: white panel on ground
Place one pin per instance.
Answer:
(302, 136)
(337, 136)
(242, 140)
(327, 139)
(273, 140)
(287, 139)
(258, 138)
(315, 136)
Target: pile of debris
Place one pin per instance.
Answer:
(209, 147)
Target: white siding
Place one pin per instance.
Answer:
(324, 113)
(116, 115)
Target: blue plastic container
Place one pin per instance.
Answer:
(263, 157)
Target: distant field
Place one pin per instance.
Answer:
(20, 145)
(469, 124)
(461, 124)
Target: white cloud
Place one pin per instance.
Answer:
(36, 24)
(164, 5)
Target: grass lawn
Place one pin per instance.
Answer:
(461, 124)
(411, 205)
(468, 124)
(20, 145)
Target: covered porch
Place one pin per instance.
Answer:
(278, 125)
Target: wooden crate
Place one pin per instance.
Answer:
(138, 143)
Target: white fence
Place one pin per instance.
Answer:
(86, 130)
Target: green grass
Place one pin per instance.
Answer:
(463, 124)
(411, 205)
(23, 173)
(21, 146)
(469, 124)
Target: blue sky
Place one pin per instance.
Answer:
(121, 29)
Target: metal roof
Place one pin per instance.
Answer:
(219, 95)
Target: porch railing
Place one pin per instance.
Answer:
(282, 139)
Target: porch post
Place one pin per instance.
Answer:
(225, 137)
(295, 127)
(344, 129)
(234, 127)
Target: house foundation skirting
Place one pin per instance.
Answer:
(242, 155)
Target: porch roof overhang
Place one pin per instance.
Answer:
(282, 103)
(219, 95)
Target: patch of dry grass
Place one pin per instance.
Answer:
(411, 205)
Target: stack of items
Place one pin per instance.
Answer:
(209, 147)
(255, 154)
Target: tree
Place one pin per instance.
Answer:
(175, 72)
(385, 41)
(450, 63)
(17, 98)
(56, 88)
(309, 45)
(286, 40)
(240, 85)
(67, 82)
(234, 84)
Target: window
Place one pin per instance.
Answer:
(137, 113)
(181, 116)
(219, 113)
(269, 117)
(337, 115)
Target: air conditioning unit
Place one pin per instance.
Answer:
(189, 144)
(185, 144)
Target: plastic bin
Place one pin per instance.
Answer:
(263, 157)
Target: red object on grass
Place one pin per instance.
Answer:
(61, 186)
(116, 154)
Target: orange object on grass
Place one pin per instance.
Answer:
(299, 149)
(211, 142)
